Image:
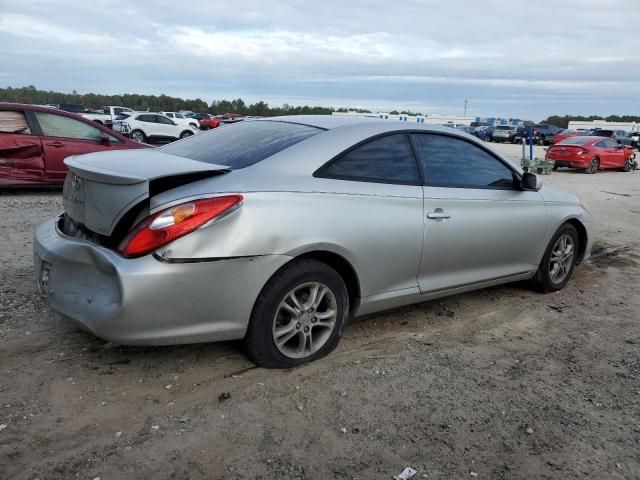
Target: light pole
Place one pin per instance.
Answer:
(465, 108)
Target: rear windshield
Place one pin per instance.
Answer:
(504, 127)
(242, 144)
(575, 141)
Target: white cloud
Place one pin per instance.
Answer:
(527, 60)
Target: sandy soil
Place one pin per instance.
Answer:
(502, 383)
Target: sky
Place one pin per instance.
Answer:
(513, 58)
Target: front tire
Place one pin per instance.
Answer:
(298, 317)
(559, 260)
(138, 136)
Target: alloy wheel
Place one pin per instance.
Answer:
(304, 320)
(137, 137)
(561, 258)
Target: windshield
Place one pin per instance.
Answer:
(242, 144)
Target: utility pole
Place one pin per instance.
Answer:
(465, 108)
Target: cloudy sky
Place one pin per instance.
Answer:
(507, 58)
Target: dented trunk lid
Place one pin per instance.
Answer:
(102, 187)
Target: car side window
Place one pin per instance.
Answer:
(600, 144)
(59, 126)
(611, 143)
(454, 162)
(145, 118)
(387, 159)
(12, 121)
(163, 119)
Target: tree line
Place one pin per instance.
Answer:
(563, 121)
(160, 103)
(165, 103)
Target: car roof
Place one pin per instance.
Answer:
(360, 122)
(326, 122)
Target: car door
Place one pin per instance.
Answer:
(64, 136)
(21, 153)
(168, 128)
(479, 225)
(379, 181)
(615, 154)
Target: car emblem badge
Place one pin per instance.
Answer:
(44, 278)
(76, 183)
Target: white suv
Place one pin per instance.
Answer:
(181, 119)
(146, 126)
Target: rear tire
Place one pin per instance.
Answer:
(186, 134)
(559, 260)
(593, 167)
(287, 327)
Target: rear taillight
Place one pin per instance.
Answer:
(582, 151)
(175, 222)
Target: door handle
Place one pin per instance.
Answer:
(56, 144)
(438, 214)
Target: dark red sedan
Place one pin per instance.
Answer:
(34, 141)
(591, 154)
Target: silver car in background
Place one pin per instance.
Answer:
(276, 231)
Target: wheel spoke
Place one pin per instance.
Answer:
(313, 294)
(285, 306)
(302, 345)
(294, 300)
(310, 339)
(325, 315)
(286, 337)
(279, 332)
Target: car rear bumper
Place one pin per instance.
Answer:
(145, 301)
(570, 163)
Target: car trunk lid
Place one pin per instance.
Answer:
(101, 188)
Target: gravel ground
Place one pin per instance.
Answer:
(501, 383)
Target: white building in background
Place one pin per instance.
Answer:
(588, 125)
(429, 119)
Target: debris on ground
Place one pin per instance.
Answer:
(224, 396)
(406, 474)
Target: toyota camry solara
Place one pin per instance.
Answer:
(277, 231)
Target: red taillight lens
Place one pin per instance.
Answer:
(175, 222)
(582, 151)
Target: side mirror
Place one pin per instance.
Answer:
(531, 181)
(104, 139)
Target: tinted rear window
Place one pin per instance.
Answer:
(575, 141)
(503, 127)
(242, 144)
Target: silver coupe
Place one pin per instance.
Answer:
(277, 231)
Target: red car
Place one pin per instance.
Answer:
(591, 154)
(34, 141)
(563, 135)
(209, 121)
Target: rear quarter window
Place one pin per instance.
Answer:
(12, 121)
(242, 144)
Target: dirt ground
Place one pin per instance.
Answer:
(502, 383)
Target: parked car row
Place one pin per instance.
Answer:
(145, 127)
(35, 140)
